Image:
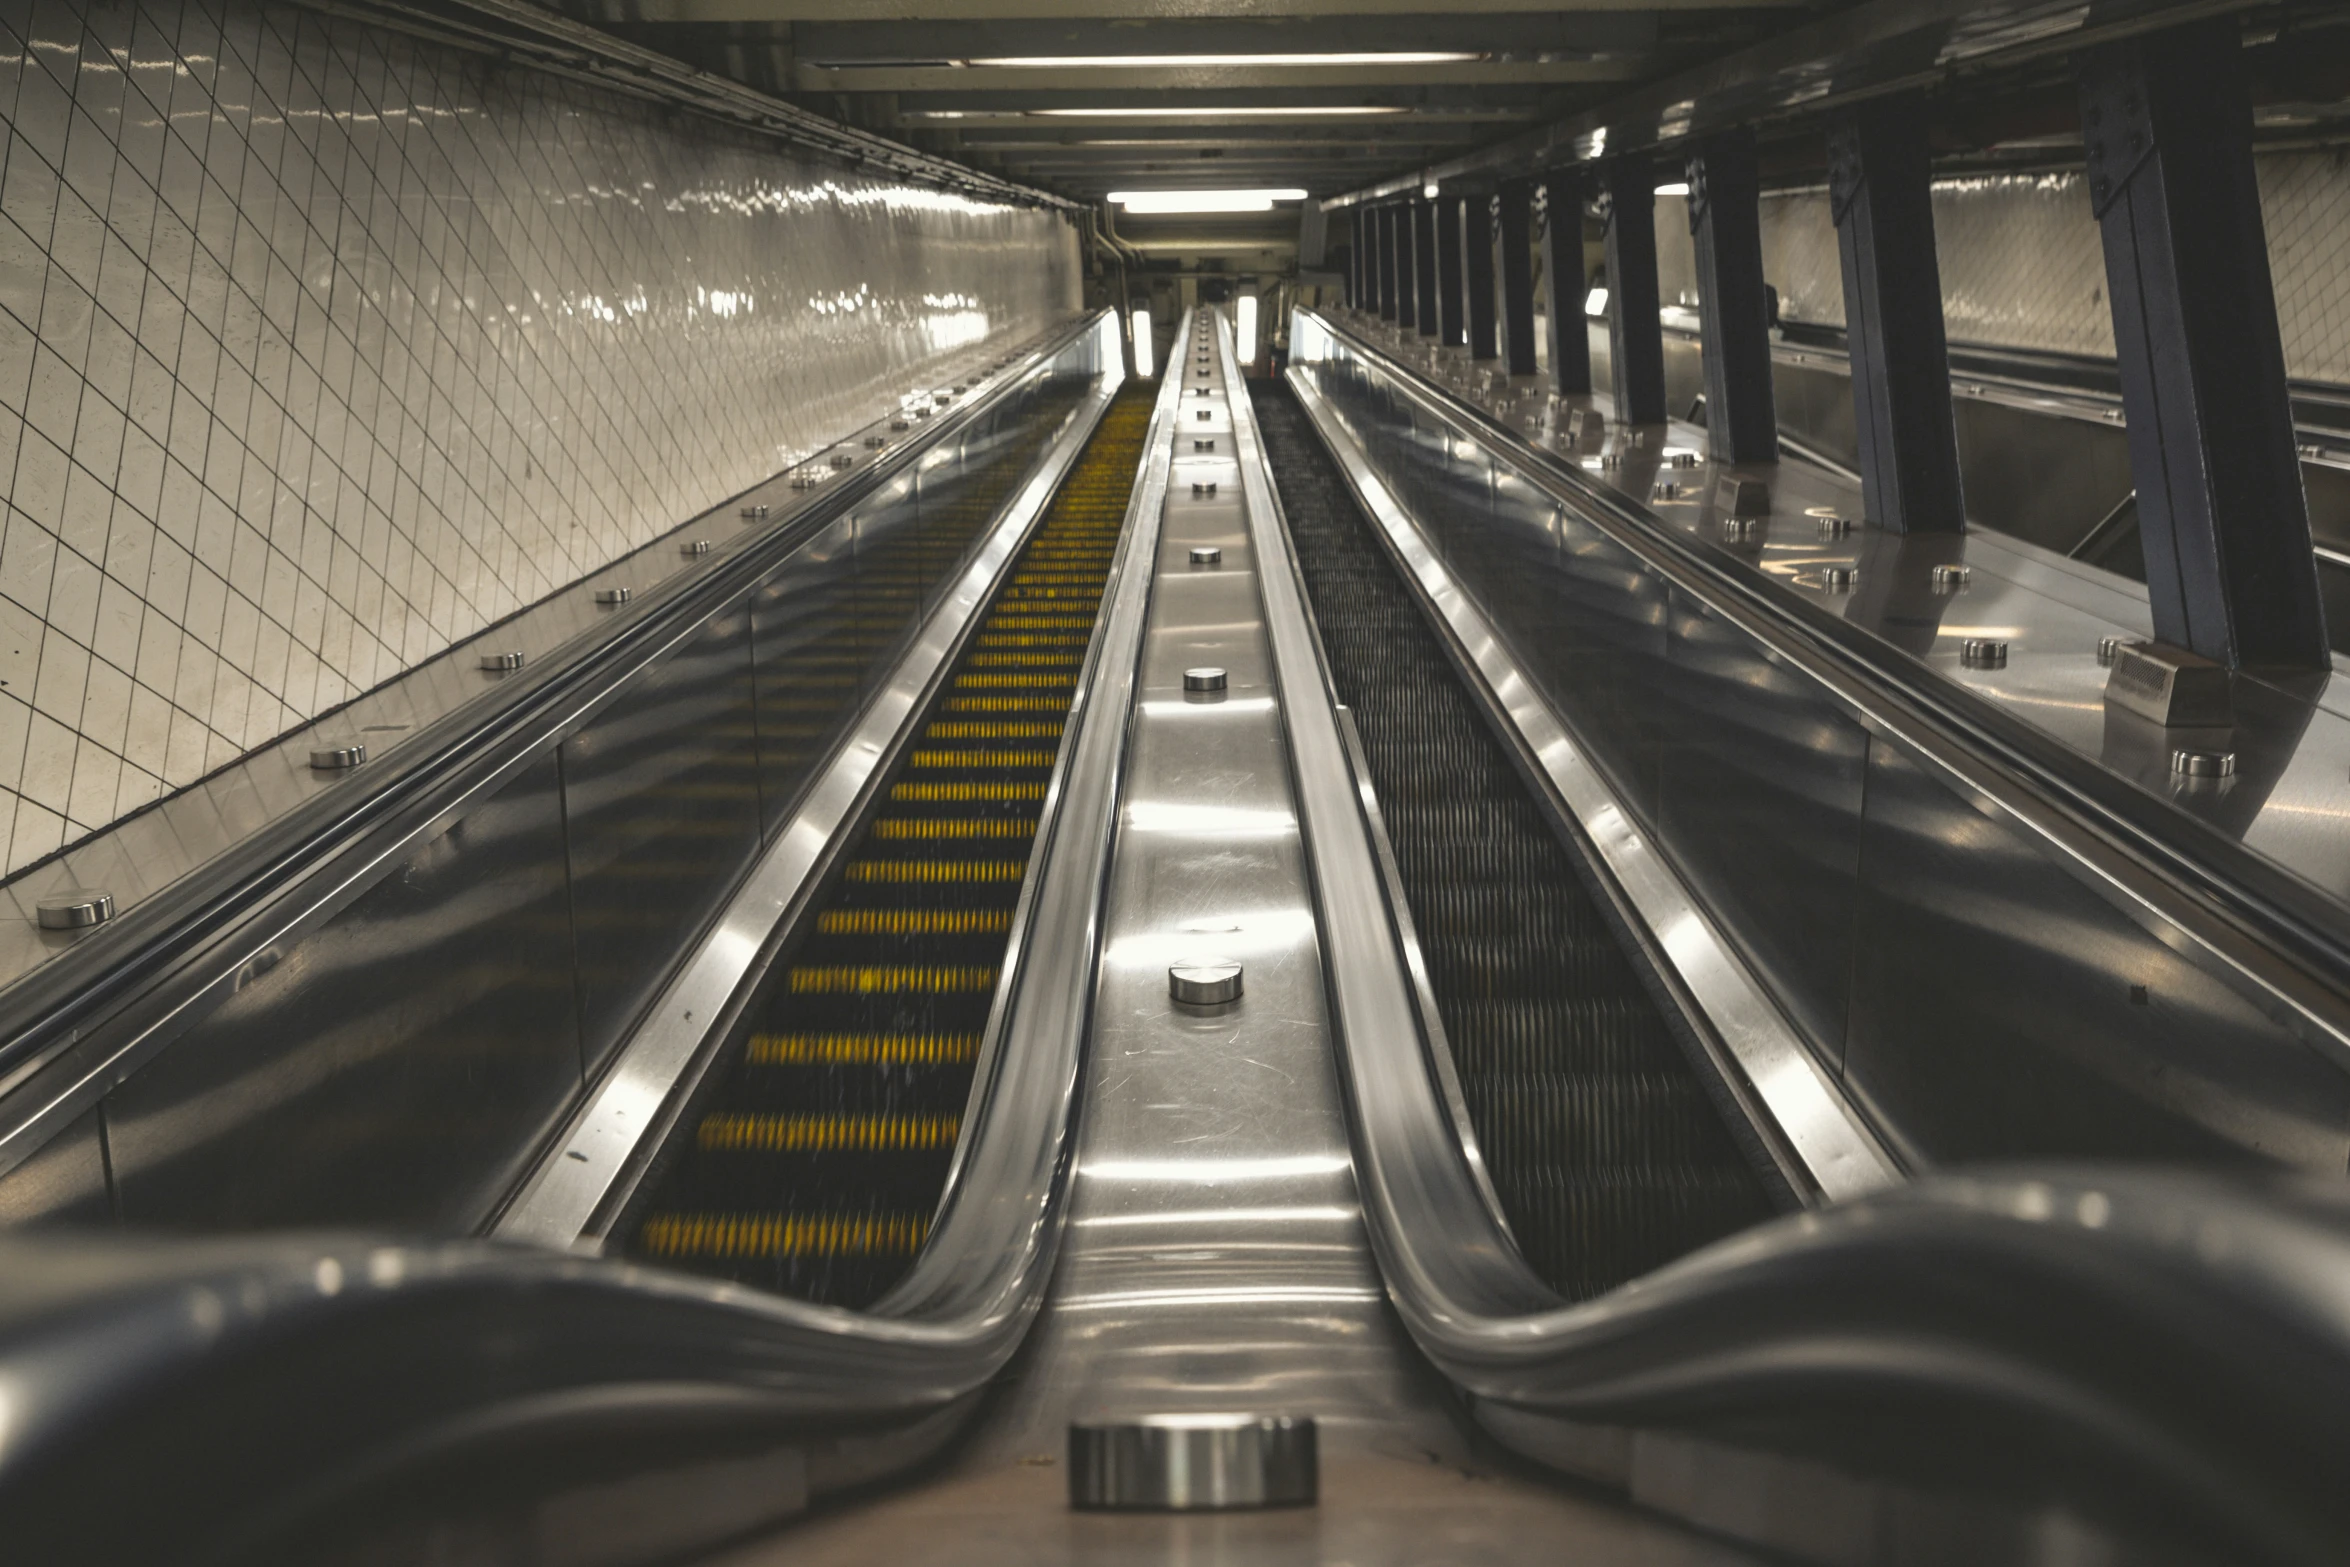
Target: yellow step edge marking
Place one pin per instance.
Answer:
(1008, 704)
(862, 1049)
(959, 793)
(913, 922)
(1041, 658)
(1026, 680)
(980, 759)
(734, 1133)
(870, 872)
(908, 829)
(785, 1234)
(989, 729)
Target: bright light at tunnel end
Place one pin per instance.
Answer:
(1179, 201)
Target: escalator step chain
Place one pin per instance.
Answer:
(1608, 1156)
(823, 1147)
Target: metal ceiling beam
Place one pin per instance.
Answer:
(928, 11)
(1588, 32)
(1876, 48)
(1252, 78)
(1395, 132)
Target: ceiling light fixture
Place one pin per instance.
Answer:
(1173, 201)
(1202, 62)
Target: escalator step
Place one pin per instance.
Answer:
(1609, 1157)
(824, 1144)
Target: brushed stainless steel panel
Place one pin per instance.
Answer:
(2002, 1010)
(395, 1068)
(1760, 792)
(805, 666)
(63, 1184)
(661, 812)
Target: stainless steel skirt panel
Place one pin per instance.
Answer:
(806, 671)
(661, 812)
(396, 1068)
(1760, 782)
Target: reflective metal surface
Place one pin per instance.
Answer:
(660, 810)
(1839, 1155)
(1215, 1257)
(1745, 715)
(274, 851)
(410, 990)
(339, 1086)
(1193, 1463)
(608, 1135)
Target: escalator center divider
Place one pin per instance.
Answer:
(814, 1166)
(1608, 1154)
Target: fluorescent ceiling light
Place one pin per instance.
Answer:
(1676, 188)
(1185, 62)
(1202, 200)
(1195, 112)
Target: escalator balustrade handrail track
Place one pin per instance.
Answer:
(2282, 934)
(87, 1016)
(2169, 1350)
(140, 1362)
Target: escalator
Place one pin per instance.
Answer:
(1607, 1153)
(813, 1164)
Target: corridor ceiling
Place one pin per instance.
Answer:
(1085, 97)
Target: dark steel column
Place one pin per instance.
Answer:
(2229, 571)
(1517, 277)
(1477, 257)
(1879, 193)
(1407, 286)
(1562, 255)
(1734, 306)
(1354, 258)
(1636, 339)
(1424, 264)
(1383, 256)
(1451, 325)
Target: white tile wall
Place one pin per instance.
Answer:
(321, 350)
(2022, 266)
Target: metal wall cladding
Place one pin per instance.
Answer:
(1978, 997)
(394, 1068)
(322, 348)
(661, 805)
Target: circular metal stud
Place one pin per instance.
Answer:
(1194, 1463)
(754, 513)
(614, 595)
(1204, 679)
(1836, 579)
(2203, 764)
(1949, 579)
(500, 663)
(2109, 649)
(1207, 555)
(1835, 527)
(694, 547)
(1208, 983)
(336, 758)
(1983, 653)
(74, 908)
